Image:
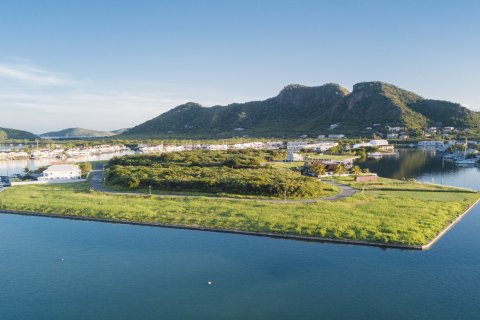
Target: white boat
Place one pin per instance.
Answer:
(375, 155)
(466, 162)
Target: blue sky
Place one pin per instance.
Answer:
(113, 64)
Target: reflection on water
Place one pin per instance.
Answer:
(425, 166)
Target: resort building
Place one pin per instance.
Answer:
(291, 157)
(336, 136)
(61, 172)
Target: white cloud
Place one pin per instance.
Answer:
(29, 74)
(41, 111)
(39, 100)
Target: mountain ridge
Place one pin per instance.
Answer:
(8, 133)
(312, 110)
(77, 133)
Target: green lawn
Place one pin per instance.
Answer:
(383, 212)
(286, 165)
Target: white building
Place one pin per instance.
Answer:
(378, 143)
(395, 129)
(61, 172)
(292, 156)
(336, 136)
(430, 144)
(271, 145)
(215, 147)
(293, 146)
(362, 145)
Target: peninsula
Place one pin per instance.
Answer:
(245, 192)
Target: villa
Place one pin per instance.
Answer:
(61, 172)
(292, 157)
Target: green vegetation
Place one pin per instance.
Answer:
(12, 134)
(299, 110)
(85, 168)
(387, 211)
(228, 172)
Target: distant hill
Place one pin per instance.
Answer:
(120, 131)
(299, 110)
(6, 133)
(77, 133)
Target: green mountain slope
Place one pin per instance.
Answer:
(301, 110)
(77, 133)
(6, 133)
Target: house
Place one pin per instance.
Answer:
(215, 147)
(61, 172)
(271, 145)
(395, 129)
(292, 156)
(392, 136)
(322, 136)
(378, 143)
(336, 136)
(448, 129)
(381, 145)
(294, 146)
(361, 145)
(366, 178)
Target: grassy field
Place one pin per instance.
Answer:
(286, 165)
(387, 211)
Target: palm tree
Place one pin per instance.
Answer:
(340, 169)
(356, 170)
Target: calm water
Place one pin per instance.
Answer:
(424, 166)
(129, 272)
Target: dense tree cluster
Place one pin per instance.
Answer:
(235, 172)
(202, 158)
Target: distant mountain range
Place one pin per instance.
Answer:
(299, 110)
(6, 133)
(78, 133)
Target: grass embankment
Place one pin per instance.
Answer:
(384, 212)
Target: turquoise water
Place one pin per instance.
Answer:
(114, 271)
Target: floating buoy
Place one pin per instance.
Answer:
(210, 283)
(63, 259)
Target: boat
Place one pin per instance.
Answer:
(466, 162)
(375, 155)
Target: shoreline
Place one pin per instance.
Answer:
(253, 233)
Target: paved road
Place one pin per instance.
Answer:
(97, 178)
(97, 184)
